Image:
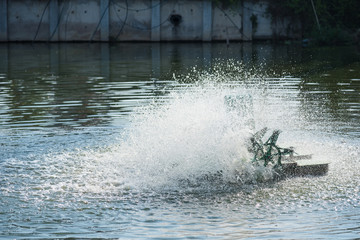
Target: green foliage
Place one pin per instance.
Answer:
(337, 18)
(331, 36)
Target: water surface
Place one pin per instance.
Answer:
(109, 141)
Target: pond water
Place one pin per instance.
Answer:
(113, 141)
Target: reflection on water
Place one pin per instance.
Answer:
(100, 141)
(62, 85)
(77, 85)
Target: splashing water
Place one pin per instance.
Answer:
(200, 129)
(132, 158)
(191, 135)
(197, 129)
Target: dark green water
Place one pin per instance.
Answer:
(96, 140)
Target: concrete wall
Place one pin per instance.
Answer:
(138, 20)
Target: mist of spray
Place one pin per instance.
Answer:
(198, 128)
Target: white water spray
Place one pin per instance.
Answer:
(200, 129)
(197, 129)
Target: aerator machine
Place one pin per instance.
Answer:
(285, 161)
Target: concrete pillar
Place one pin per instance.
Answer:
(3, 20)
(246, 23)
(104, 15)
(54, 20)
(207, 20)
(155, 20)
